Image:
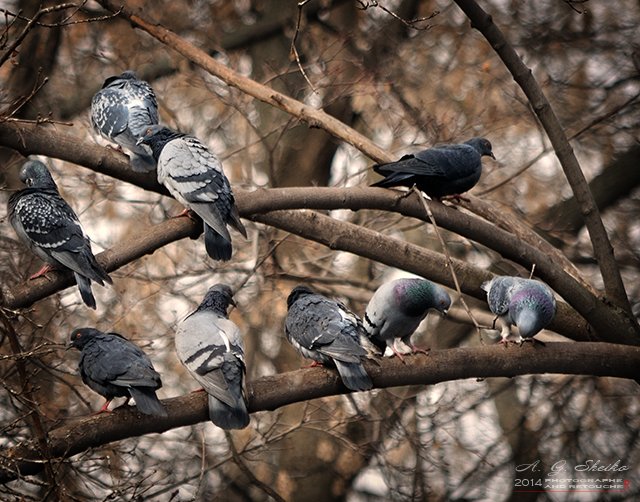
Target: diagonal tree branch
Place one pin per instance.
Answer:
(313, 116)
(480, 20)
(276, 391)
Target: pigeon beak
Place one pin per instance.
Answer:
(231, 302)
(492, 156)
(141, 140)
(68, 346)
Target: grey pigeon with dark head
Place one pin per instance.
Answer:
(525, 303)
(396, 310)
(114, 367)
(210, 346)
(446, 170)
(121, 112)
(44, 221)
(327, 332)
(194, 176)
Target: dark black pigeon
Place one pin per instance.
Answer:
(327, 332)
(46, 223)
(122, 111)
(114, 367)
(211, 348)
(439, 171)
(194, 176)
(525, 303)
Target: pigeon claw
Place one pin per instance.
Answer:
(105, 408)
(42, 272)
(533, 341)
(456, 198)
(314, 364)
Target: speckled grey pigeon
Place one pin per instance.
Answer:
(45, 222)
(113, 367)
(396, 310)
(194, 176)
(211, 348)
(526, 303)
(327, 332)
(121, 112)
(439, 171)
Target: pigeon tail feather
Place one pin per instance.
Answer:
(84, 286)
(147, 401)
(354, 376)
(234, 221)
(217, 246)
(227, 417)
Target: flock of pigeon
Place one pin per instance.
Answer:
(125, 112)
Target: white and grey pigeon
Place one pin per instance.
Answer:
(446, 170)
(45, 222)
(114, 367)
(525, 303)
(396, 310)
(327, 332)
(194, 176)
(210, 346)
(121, 112)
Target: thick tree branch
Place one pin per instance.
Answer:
(615, 325)
(25, 294)
(523, 76)
(273, 392)
(339, 235)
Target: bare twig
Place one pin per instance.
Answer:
(412, 24)
(447, 255)
(294, 50)
(30, 24)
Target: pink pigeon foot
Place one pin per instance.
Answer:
(43, 271)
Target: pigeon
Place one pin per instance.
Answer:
(327, 332)
(121, 112)
(113, 367)
(194, 176)
(525, 303)
(46, 223)
(396, 310)
(446, 170)
(211, 348)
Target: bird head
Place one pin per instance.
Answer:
(482, 146)
(156, 137)
(81, 336)
(298, 292)
(443, 301)
(35, 174)
(125, 75)
(218, 298)
(528, 322)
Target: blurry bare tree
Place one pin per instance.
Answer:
(310, 95)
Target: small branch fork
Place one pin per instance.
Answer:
(412, 24)
(34, 21)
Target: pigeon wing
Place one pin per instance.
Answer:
(109, 112)
(319, 324)
(202, 340)
(115, 360)
(195, 177)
